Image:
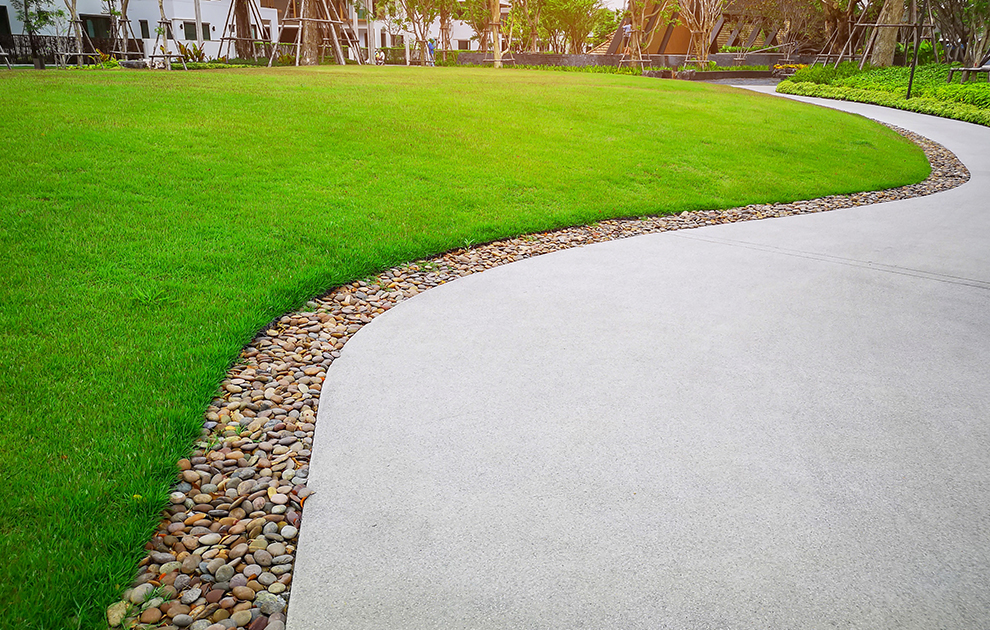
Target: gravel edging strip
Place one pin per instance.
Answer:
(224, 552)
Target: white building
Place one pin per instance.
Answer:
(212, 16)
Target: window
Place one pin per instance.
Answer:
(145, 31)
(464, 44)
(97, 26)
(384, 40)
(4, 21)
(189, 28)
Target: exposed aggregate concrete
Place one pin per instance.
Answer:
(224, 552)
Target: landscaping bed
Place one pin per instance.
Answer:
(931, 94)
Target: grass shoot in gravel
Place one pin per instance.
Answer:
(151, 222)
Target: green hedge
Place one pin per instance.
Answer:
(931, 94)
(921, 104)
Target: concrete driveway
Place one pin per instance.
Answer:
(774, 424)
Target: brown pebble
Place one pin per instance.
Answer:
(243, 592)
(177, 609)
(220, 615)
(152, 615)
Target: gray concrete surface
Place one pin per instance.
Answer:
(773, 424)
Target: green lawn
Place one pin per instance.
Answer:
(151, 222)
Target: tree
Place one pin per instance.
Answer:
(311, 36)
(885, 40)
(965, 27)
(838, 15)
(77, 30)
(802, 22)
(528, 12)
(637, 23)
(605, 24)
(390, 13)
(700, 17)
(36, 15)
(244, 44)
(447, 10)
(495, 25)
(475, 14)
(552, 29)
(575, 19)
(421, 14)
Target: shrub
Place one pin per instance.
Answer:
(923, 104)
(825, 75)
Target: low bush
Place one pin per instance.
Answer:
(630, 70)
(931, 94)
(825, 75)
(921, 104)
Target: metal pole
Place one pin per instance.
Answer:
(917, 45)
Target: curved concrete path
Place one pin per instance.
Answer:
(774, 424)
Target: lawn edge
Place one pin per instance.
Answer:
(333, 317)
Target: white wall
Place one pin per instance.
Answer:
(213, 12)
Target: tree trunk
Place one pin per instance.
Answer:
(39, 63)
(886, 41)
(71, 6)
(531, 24)
(243, 45)
(496, 9)
(125, 28)
(636, 10)
(309, 43)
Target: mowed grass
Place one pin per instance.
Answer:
(150, 223)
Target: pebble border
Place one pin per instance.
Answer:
(223, 555)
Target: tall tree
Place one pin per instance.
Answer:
(966, 23)
(495, 9)
(552, 29)
(76, 28)
(391, 14)
(36, 16)
(638, 14)
(243, 44)
(885, 40)
(421, 14)
(576, 19)
(700, 17)
(446, 11)
(802, 22)
(605, 25)
(839, 16)
(476, 14)
(312, 33)
(529, 12)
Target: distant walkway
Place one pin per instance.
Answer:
(772, 424)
